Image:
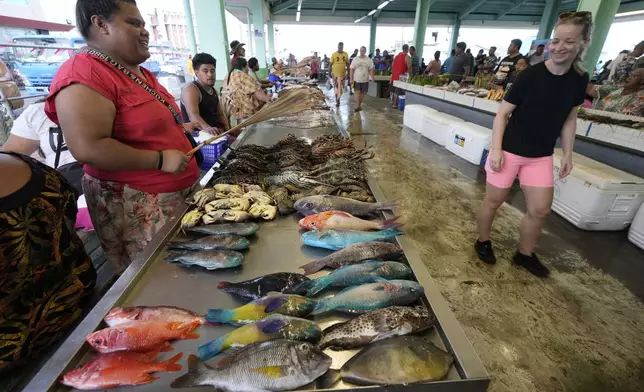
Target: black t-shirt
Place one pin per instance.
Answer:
(506, 69)
(543, 102)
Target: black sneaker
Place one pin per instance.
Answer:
(485, 252)
(532, 264)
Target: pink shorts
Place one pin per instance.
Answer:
(531, 171)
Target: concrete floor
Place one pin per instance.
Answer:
(582, 329)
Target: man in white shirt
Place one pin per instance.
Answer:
(361, 73)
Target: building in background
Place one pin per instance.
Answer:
(31, 17)
(168, 26)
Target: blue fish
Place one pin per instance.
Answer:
(370, 296)
(356, 274)
(336, 239)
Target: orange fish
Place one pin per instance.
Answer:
(344, 220)
(141, 336)
(120, 368)
(167, 314)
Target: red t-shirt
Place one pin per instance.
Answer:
(141, 121)
(315, 66)
(232, 61)
(399, 67)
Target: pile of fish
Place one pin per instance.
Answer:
(130, 344)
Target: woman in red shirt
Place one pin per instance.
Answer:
(130, 139)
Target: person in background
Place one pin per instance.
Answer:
(401, 65)
(361, 74)
(448, 62)
(236, 50)
(460, 65)
(415, 61)
(315, 66)
(191, 71)
(45, 273)
(291, 62)
(253, 67)
(353, 56)
(480, 58)
(434, 67)
(490, 62)
(538, 55)
(423, 65)
(33, 130)
(521, 66)
(131, 140)
(550, 91)
(378, 61)
(273, 65)
(339, 69)
(628, 64)
(624, 99)
(325, 62)
(199, 100)
(468, 53)
(604, 72)
(243, 95)
(616, 61)
(507, 66)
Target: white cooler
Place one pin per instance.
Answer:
(596, 196)
(437, 126)
(468, 140)
(636, 232)
(414, 114)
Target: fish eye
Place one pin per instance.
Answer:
(312, 223)
(304, 347)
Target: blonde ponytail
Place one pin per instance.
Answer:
(584, 19)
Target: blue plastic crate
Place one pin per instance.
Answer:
(212, 152)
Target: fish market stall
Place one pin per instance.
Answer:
(276, 247)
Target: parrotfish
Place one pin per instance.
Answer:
(286, 304)
(335, 239)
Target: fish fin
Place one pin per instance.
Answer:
(152, 355)
(270, 326)
(313, 266)
(171, 364)
(328, 379)
(212, 348)
(197, 374)
(321, 306)
(144, 379)
(275, 303)
(223, 285)
(220, 315)
(303, 287)
(227, 356)
(391, 223)
(389, 205)
(273, 372)
(392, 232)
(166, 347)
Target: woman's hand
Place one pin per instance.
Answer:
(174, 161)
(566, 166)
(192, 126)
(496, 159)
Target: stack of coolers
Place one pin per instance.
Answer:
(469, 141)
(438, 126)
(596, 196)
(414, 115)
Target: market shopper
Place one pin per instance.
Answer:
(339, 69)
(44, 271)
(629, 63)
(243, 95)
(415, 61)
(315, 67)
(379, 61)
(506, 68)
(361, 73)
(551, 91)
(434, 66)
(448, 62)
(538, 55)
(617, 60)
(624, 99)
(130, 138)
(199, 100)
(237, 50)
(460, 65)
(400, 66)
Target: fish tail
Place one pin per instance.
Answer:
(321, 306)
(328, 379)
(171, 364)
(391, 224)
(388, 205)
(212, 348)
(198, 374)
(221, 316)
(313, 267)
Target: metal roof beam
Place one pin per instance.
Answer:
(335, 4)
(510, 10)
(472, 8)
(284, 6)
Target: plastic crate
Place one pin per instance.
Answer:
(212, 152)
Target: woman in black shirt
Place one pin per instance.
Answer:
(540, 107)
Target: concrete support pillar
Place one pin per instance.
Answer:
(192, 41)
(548, 19)
(456, 29)
(258, 32)
(211, 30)
(420, 26)
(603, 16)
(271, 38)
(372, 36)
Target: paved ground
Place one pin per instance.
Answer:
(579, 330)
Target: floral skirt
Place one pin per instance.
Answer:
(126, 219)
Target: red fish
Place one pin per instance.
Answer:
(141, 336)
(344, 220)
(121, 368)
(167, 314)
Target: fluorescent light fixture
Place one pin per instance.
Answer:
(299, 6)
(632, 13)
(372, 12)
(360, 20)
(383, 5)
(297, 16)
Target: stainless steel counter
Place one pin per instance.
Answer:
(150, 280)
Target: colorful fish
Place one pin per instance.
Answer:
(141, 336)
(287, 304)
(343, 220)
